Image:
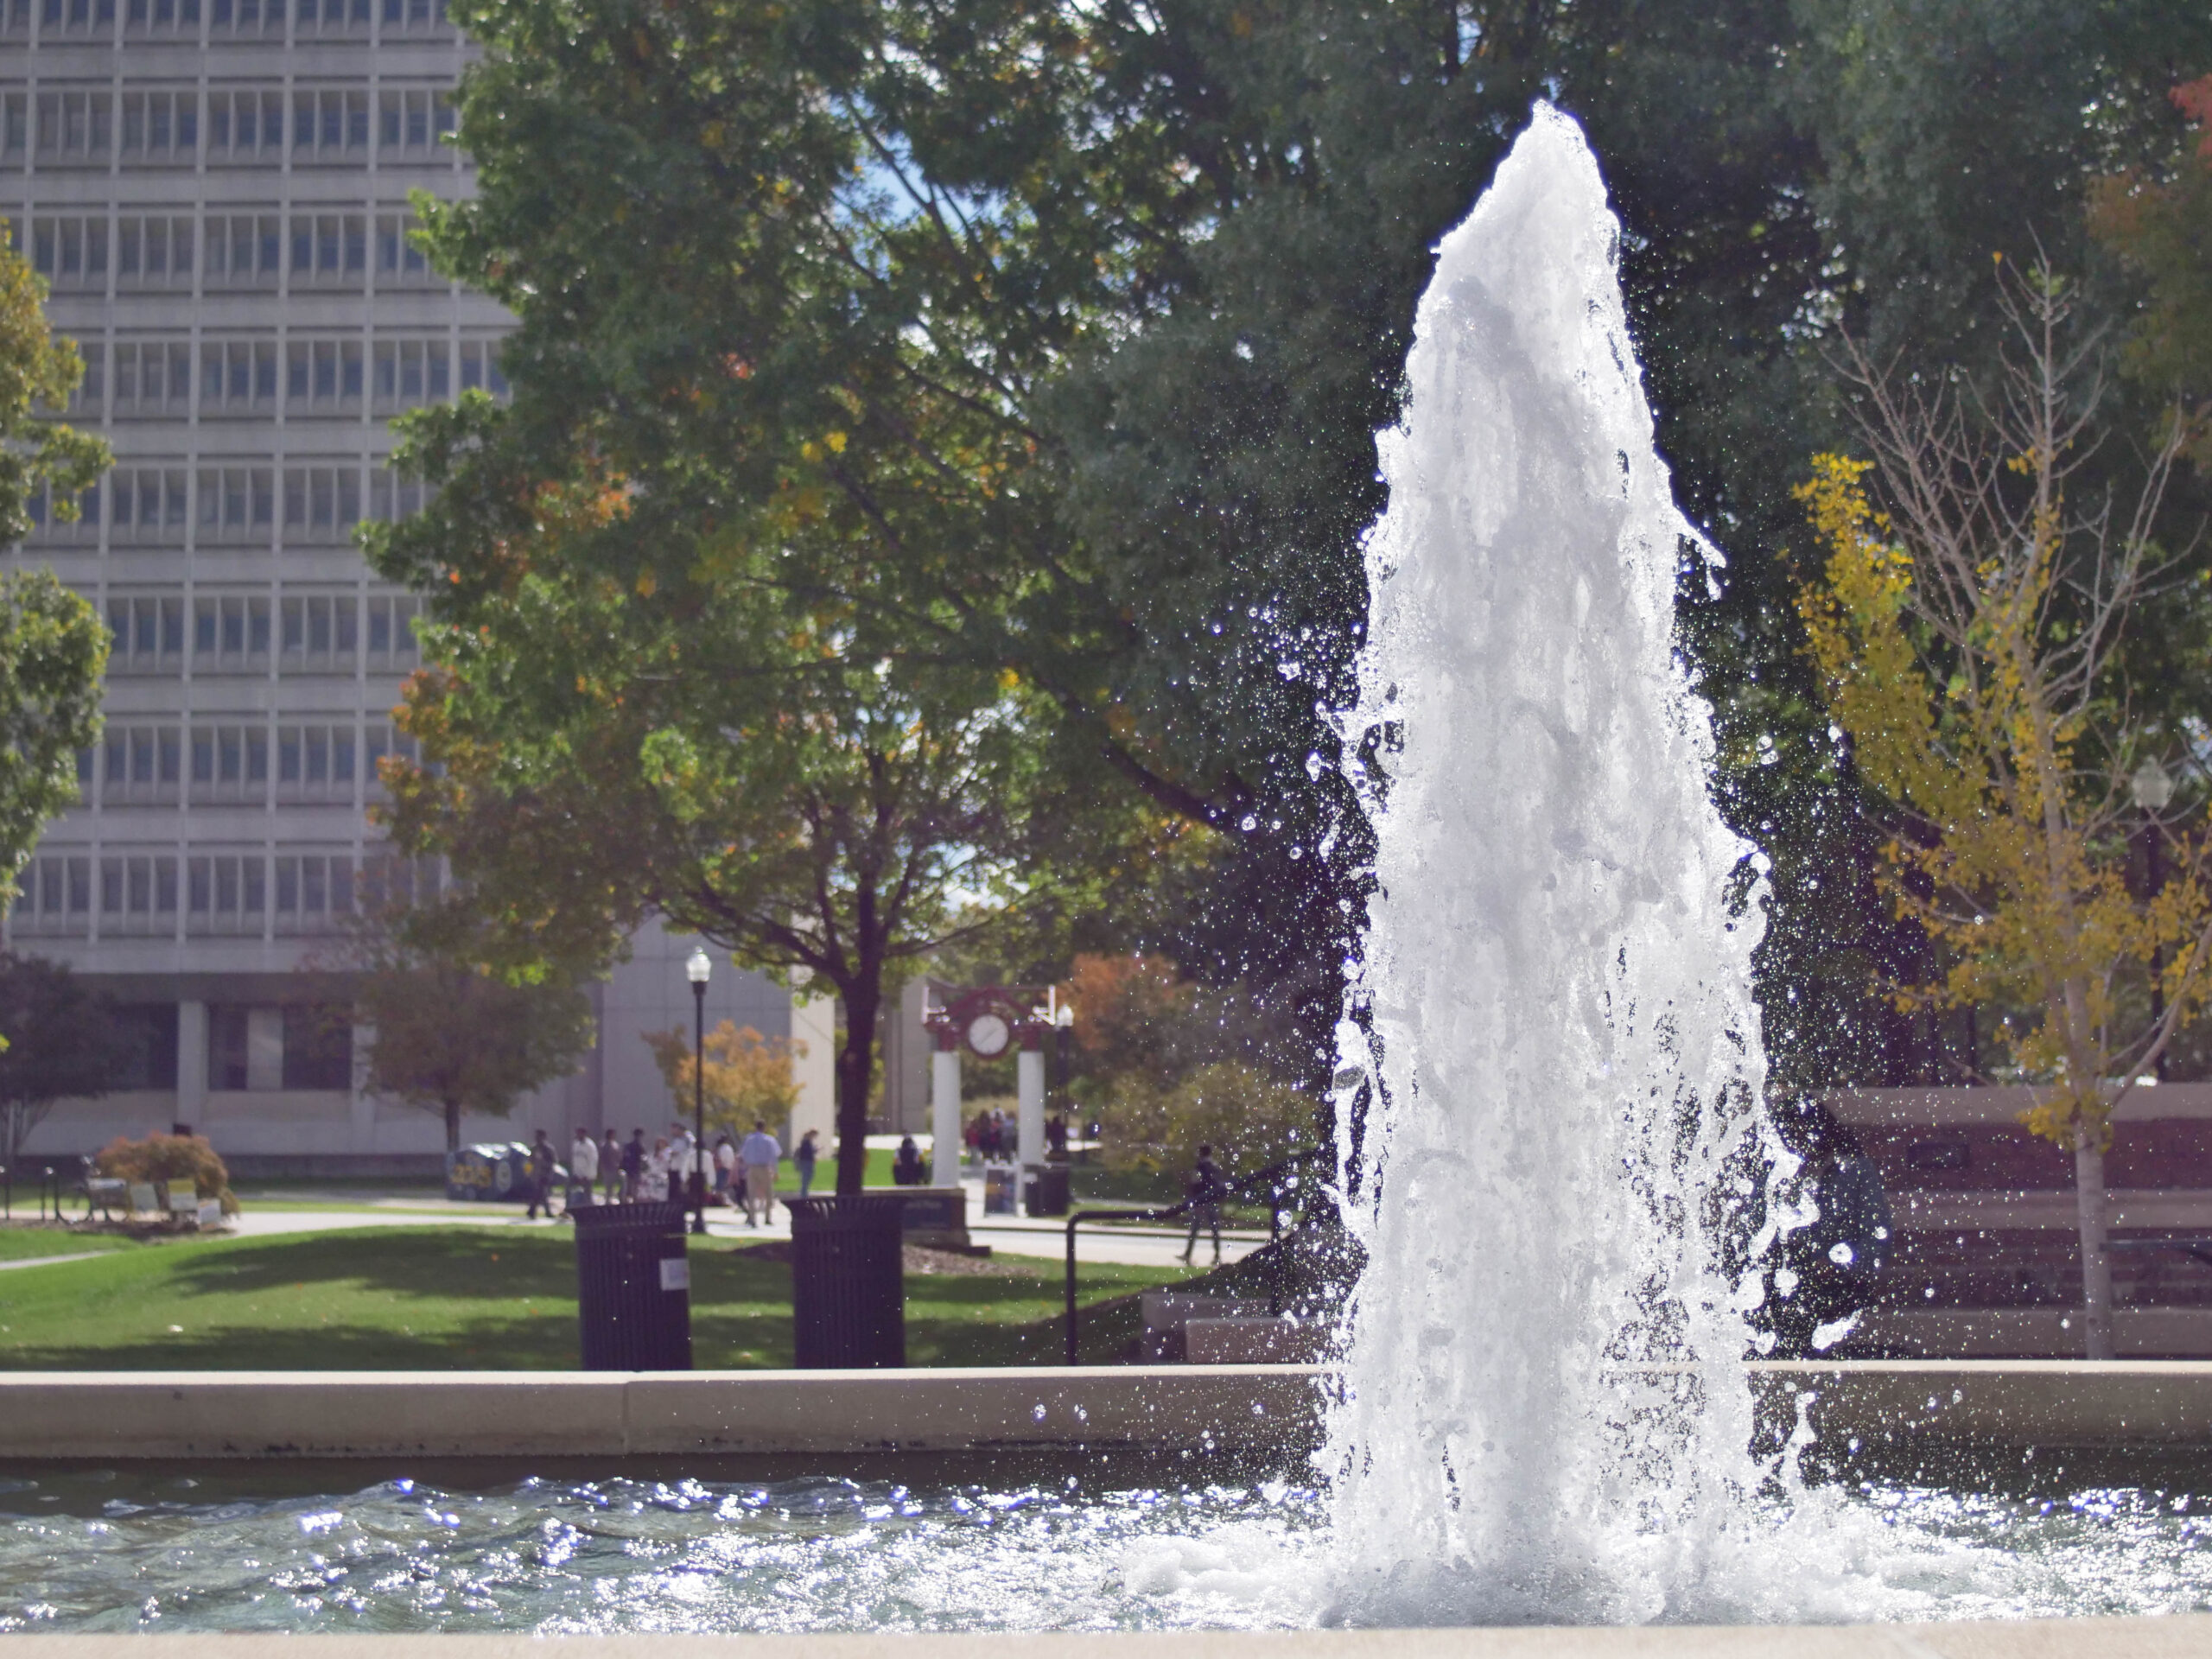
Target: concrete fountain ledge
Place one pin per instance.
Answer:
(2182, 1636)
(56, 1415)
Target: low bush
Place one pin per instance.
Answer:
(167, 1162)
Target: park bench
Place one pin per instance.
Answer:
(108, 1194)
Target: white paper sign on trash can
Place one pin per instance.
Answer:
(675, 1273)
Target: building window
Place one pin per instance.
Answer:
(147, 633)
(153, 378)
(70, 250)
(139, 892)
(412, 124)
(230, 764)
(322, 504)
(414, 17)
(246, 17)
(245, 126)
(228, 894)
(89, 401)
(330, 124)
(322, 377)
(147, 504)
(400, 264)
(238, 505)
(74, 128)
(171, 17)
(49, 528)
(321, 634)
(412, 372)
(329, 249)
(238, 376)
(145, 1045)
(153, 252)
(388, 880)
(54, 896)
(479, 368)
(143, 765)
(245, 250)
(392, 647)
(230, 634)
(161, 127)
(314, 892)
(315, 763)
(318, 1045)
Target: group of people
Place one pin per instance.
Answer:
(615, 1171)
(993, 1137)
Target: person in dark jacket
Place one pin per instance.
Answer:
(1205, 1194)
(908, 1169)
(540, 1178)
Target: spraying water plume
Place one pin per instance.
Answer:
(1543, 1416)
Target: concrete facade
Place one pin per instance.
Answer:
(216, 192)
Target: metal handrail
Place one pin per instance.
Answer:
(1272, 1175)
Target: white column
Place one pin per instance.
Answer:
(944, 1117)
(1029, 1091)
(191, 1062)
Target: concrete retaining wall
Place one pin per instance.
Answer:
(1258, 1408)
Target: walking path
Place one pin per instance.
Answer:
(1021, 1236)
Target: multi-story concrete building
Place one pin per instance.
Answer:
(216, 192)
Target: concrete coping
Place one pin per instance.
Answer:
(1252, 1409)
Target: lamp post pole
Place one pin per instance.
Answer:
(2154, 789)
(698, 969)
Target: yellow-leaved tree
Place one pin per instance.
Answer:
(747, 1079)
(1969, 627)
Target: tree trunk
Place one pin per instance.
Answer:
(855, 1062)
(453, 1126)
(2096, 1259)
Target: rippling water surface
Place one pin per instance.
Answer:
(109, 1552)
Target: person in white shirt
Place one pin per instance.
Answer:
(725, 1170)
(758, 1156)
(654, 1185)
(583, 1170)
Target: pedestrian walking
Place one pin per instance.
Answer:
(633, 1166)
(610, 1168)
(725, 1169)
(583, 1170)
(654, 1182)
(804, 1160)
(1205, 1191)
(758, 1157)
(540, 1178)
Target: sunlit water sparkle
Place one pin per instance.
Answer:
(119, 1553)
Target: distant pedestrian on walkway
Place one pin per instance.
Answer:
(610, 1168)
(540, 1178)
(759, 1156)
(583, 1170)
(1205, 1193)
(804, 1160)
(633, 1166)
(725, 1169)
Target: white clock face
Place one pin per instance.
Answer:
(987, 1035)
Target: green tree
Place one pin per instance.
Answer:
(449, 1033)
(57, 1042)
(38, 375)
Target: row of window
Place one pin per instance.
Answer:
(313, 633)
(91, 19)
(156, 505)
(154, 379)
(150, 893)
(245, 126)
(261, 249)
(234, 763)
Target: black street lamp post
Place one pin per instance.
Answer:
(698, 969)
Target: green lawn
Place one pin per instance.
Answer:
(426, 1299)
(16, 1243)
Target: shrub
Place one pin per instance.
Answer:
(1249, 1120)
(168, 1160)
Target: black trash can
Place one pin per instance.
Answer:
(634, 1288)
(848, 1288)
(1048, 1189)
